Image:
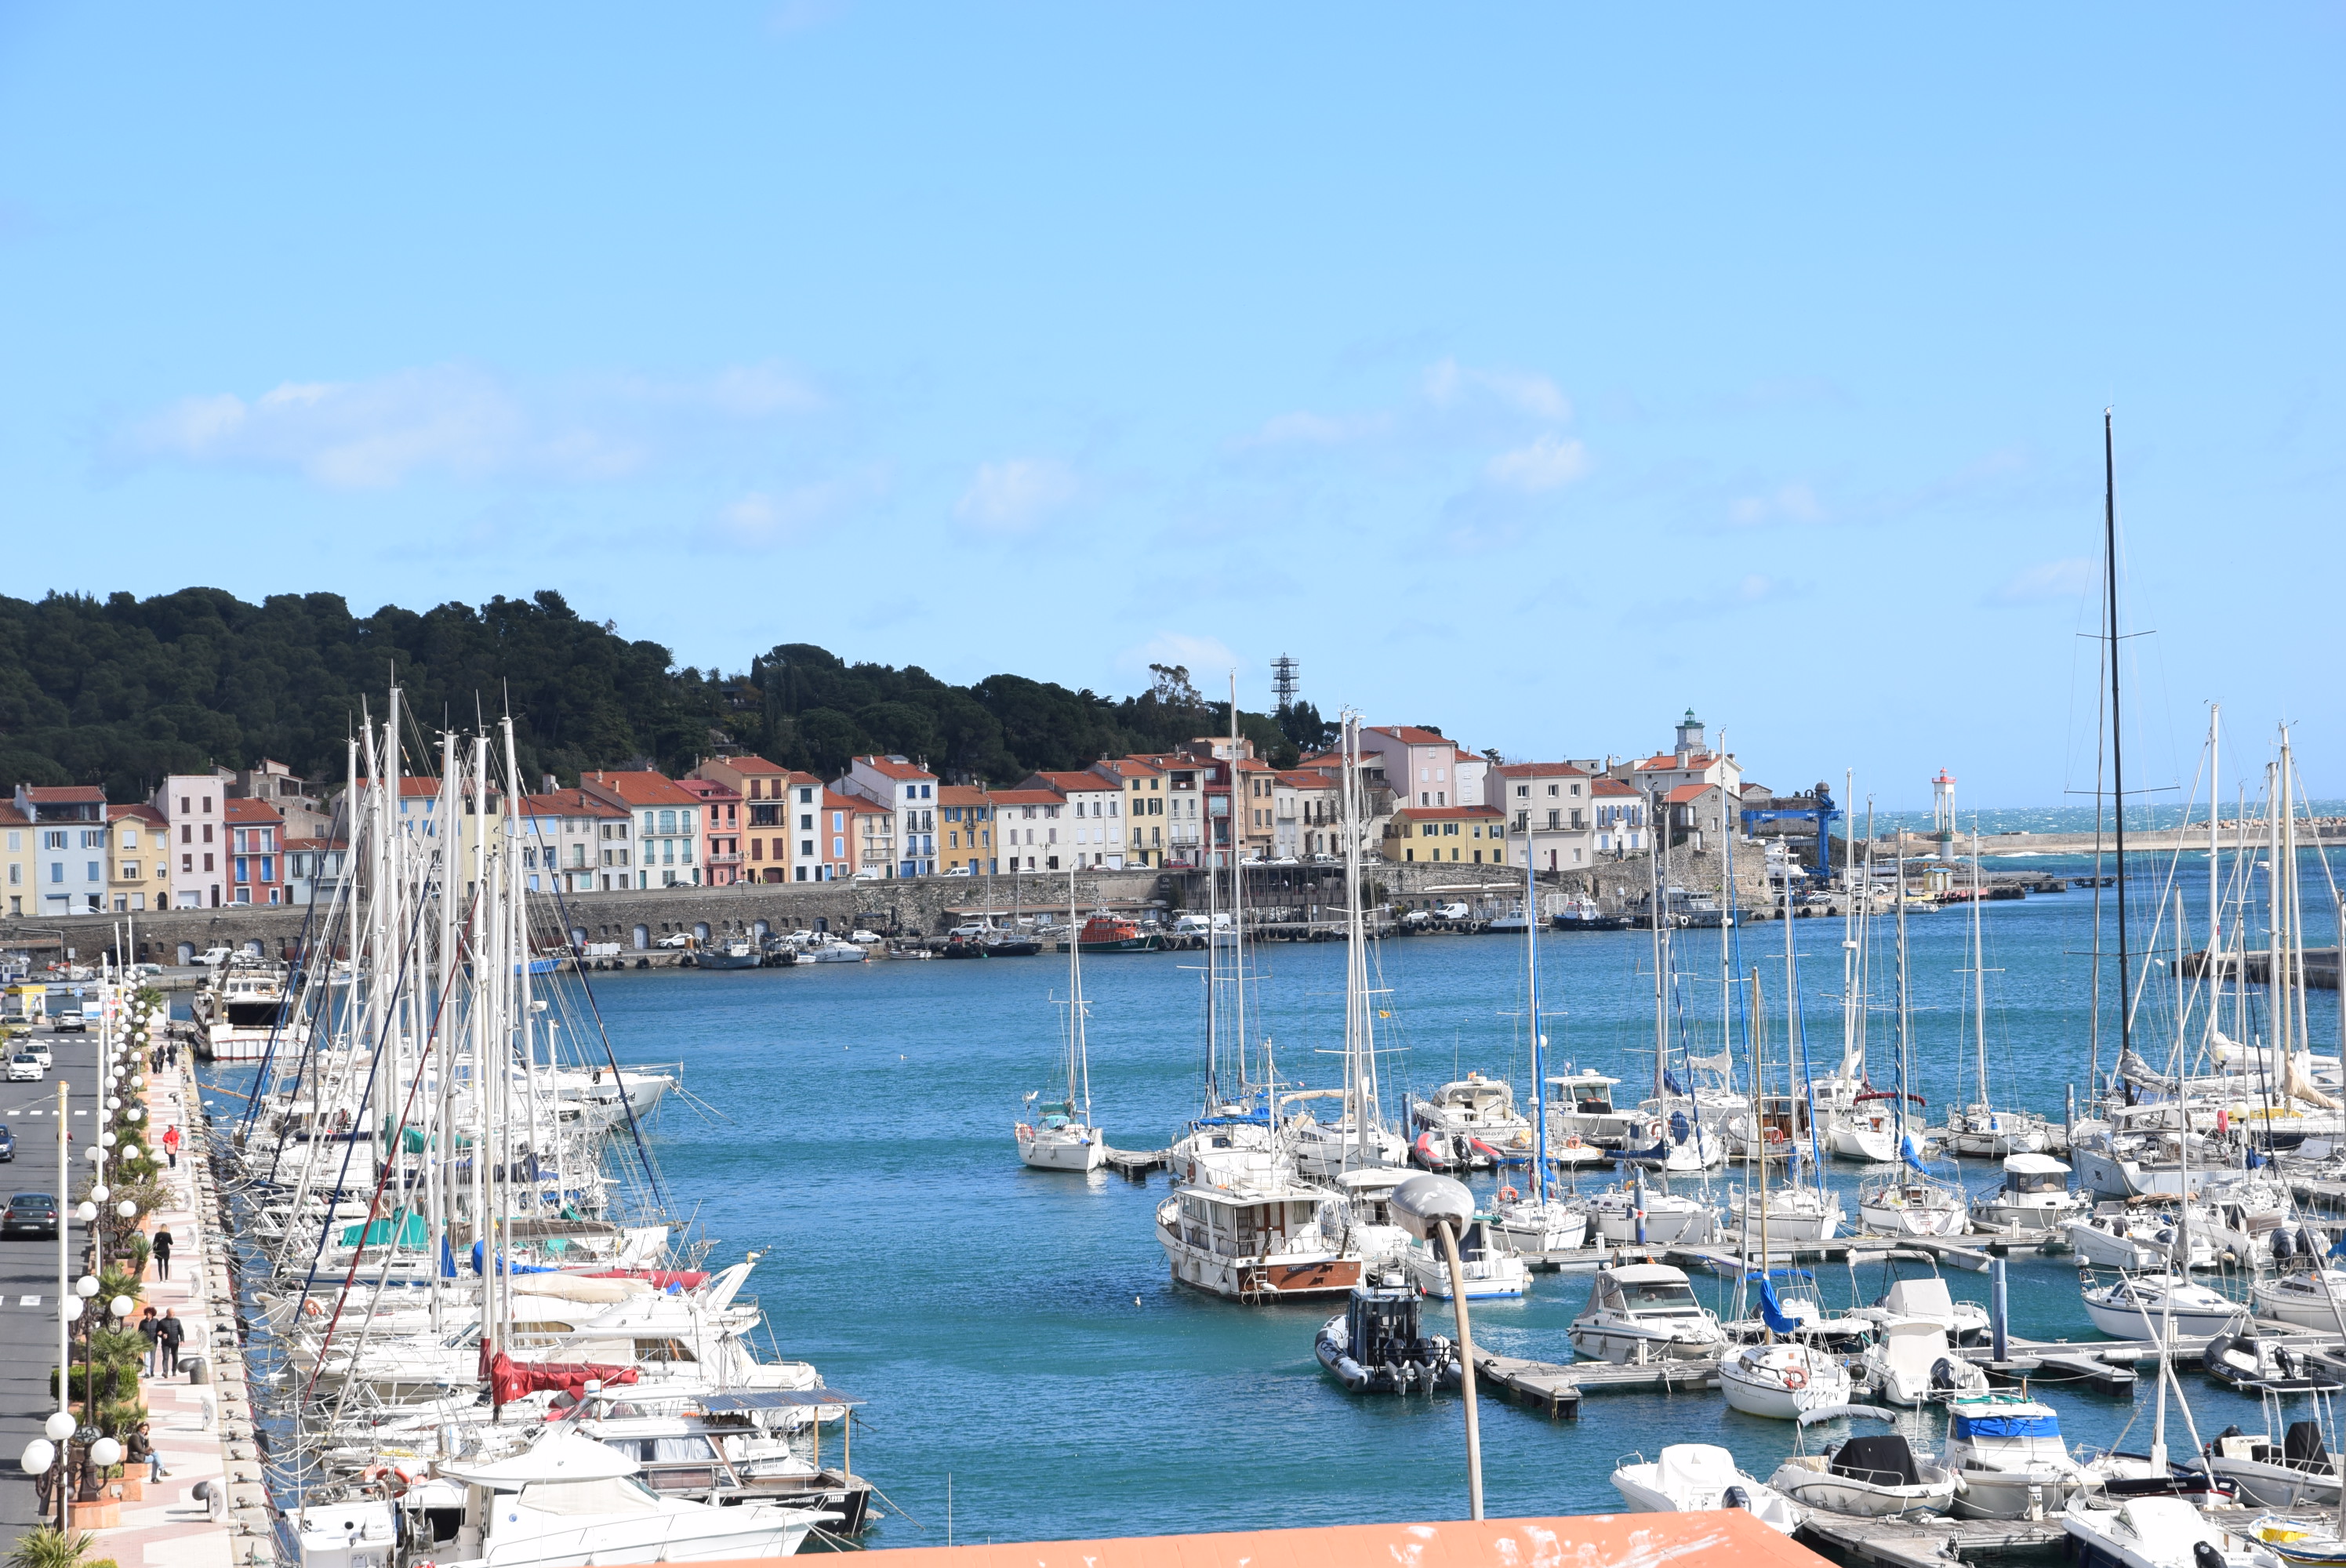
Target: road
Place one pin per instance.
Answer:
(28, 1268)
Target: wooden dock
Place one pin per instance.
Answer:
(1134, 1165)
(1929, 1543)
(1542, 1385)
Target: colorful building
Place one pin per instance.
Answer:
(1142, 783)
(720, 828)
(909, 789)
(574, 843)
(965, 829)
(140, 871)
(762, 840)
(667, 838)
(255, 843)
(1619, 818)
(69, 847)
(16, 861)
(1466, 835)
(1093, 819)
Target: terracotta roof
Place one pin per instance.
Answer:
(142, 812)
(1610, 786)
(1671, 759)
(644, 788)
(410, 787)
(1540, 770)
(1069, 783)
(887, 768)
(797, 777)
(961, 795)
(12, 817)
(569, 803)
(707, 789)
(750, 764)
(1447, 813)
(1306, 778)
(1466, 756)
(833, 800)
(65, 795)
(1716, 1539)
(1411, 735)
(239, 808)
(1686, 792)
(1028, 797)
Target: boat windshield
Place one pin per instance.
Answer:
(1662, 1297)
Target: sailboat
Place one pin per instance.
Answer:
(1860, 1125)
(1538, 1222)
(1060, 1136)
(1907, 1200)
(1979, 1129)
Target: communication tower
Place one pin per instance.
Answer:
(1286, 679)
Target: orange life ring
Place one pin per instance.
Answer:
(1795, 1378)
(310, 1309)
(1507, 1195)
(1573, 1141)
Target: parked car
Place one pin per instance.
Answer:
(30, 1213)
(213, 957)
(970, 931)
(71, 1020)
(24, 1067)
(675, 938)
(864, 937)
(8, 1143)
(1451, 911)
(958, 871)
(870, 874)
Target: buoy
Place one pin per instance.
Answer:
(1136, 1301)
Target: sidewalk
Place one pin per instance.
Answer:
(204, 1433)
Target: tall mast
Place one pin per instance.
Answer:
(1531, 995)
(1238, 903)
(2118, 748)
(1900, 1101)
(1361, 1108)
(1979, 972)
(1079, 1066)
(1661, 942)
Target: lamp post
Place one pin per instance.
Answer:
(1430, 1206)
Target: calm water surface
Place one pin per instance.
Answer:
(1014, 1332)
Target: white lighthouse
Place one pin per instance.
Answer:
(1943, 813)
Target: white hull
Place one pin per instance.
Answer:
(1860, 1140)
(1692, 1224)
(1644, 1488)
(1806, 1481)
(2132, 1322)
(1078, 1149)
(1551, 1226)
(1893, 1220)
(1626, 1346)
(1486, 1279)
(1759, 1391)
(593, 1542)
(1283, 1277)
(2304, 1308)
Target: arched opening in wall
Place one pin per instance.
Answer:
(187, 952)
(700, 931)
(643, 937)
(578, 936)
(822, 923)
(252, 947)
(760, 930)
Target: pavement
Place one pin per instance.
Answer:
(165, 1527)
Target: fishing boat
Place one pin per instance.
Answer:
(739, 953)
(1061, 1136)
(1582, 914)
(1701, 1477)
(1105, 933)
(1645, 1312)
(243, 1007)
(1377, 1345)
(2140, 1305)
(1876, 1477)
(2008, 1454)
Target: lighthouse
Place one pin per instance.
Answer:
(1943, 813)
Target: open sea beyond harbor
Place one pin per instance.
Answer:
(1013, 1331)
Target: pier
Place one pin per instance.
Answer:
(1134, 1165)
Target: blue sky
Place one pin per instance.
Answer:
(1534, 372)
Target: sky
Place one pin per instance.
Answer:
(1534, 372)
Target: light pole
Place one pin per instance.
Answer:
(1430, 1206)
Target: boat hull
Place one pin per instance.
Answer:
(1050, 1151)
(2131, 1322)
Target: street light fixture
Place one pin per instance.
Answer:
(1429, 1206)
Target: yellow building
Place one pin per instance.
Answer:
(1468, 835)
(139, 860)
(17, 894)
(965, 830)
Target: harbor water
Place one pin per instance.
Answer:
(1026, 1363)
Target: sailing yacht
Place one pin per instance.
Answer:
(1061, 1136)
(1537, 1221)
(1907, 1200)
(1979, 1130)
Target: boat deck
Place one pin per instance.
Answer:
(1936, 1543)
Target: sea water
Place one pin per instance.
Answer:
(1022, 1356)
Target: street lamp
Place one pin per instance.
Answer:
(1430, 1206)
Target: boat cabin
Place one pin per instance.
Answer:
(2025, 1174)
(1476, 1101)
(1370, 1194)
(1251, 1224)
(1382, 1323)
(1644, 1290)
(1583, 1094)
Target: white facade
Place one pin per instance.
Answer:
(1423, 768)
(191, 805)
(1093, 819)
(1551, 814)
(911, 793)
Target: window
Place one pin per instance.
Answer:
(806, 820)
(93, 840)
(208, 832)
(806, 848)
(53, 841)
(97, 871)
(652, 822)
(57, 870)
(1525, 789)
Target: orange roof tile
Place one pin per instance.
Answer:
(750, 764)
(239, 808)
(1028, 797)
(644, 788)
(65, 794)
(1686, 792)
(888, 768)
(569, 803)
(1540, 770)
(141, 812)
(1067, 783)
(1615, 787)
(960, 795)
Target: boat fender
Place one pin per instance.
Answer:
(2205, 1556)
(1738, 1498)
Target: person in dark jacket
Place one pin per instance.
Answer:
(147, 1321)
(162, 1246)
(169, 1334)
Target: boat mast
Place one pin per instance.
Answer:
(1661, 942)
(2118, 748)
(1079, 1064)
(1361, 1110)
(1899, 1100)
(1531, 995)
(1238, 903)
(1979, 973)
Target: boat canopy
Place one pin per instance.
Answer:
(2034, 1164)
(569, 1457)
(2012, 1421)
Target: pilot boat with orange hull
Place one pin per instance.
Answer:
(1114, 933)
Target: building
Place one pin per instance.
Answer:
(667, 840)
(1550, 815)
(912, 791)
(965, 826)
(1619, 818)
(1254, 804)
(575, 842)
(419, 821)
(301, 805)
(16, 861)
(69, 847)
(314, 868)
(1689, 760)
(255, 843)
(762, 840)
(140, 869)
(190, 804)
(1032, 826)
(1143, 786)
(1468, 835)
(870, 834)
(1423, 768)
(1095, 815)
(720, 829)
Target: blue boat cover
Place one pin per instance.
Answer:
(1772, 1312)
(2007, 1426)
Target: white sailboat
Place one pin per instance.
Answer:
(1979, 1129)
(1538, 1221)
(1060, 1136)
(1908, 1200)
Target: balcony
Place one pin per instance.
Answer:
(731, 858)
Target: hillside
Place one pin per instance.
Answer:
(120, 691)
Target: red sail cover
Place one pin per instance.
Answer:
(661, 1278)
(510, 1379)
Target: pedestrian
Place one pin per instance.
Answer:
(169, 1334)
(146, 1322)
(171, 1144)
(162, 1249)
(141, 1450)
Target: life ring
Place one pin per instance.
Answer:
(310, 1309)
(1572, 1141)
(1507, 1195)
(1795, 1378)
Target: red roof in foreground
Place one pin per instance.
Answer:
(1730, 1537)
(1411, 735)
(64, 794)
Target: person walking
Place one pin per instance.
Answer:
(162, 1249)
(169, 1334)
(146, 1322)
(171, 1144)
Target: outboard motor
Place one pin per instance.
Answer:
(1943, 1372)
(1738, 1498)
(2205, 1556)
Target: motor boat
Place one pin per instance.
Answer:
(2155, 1532)
(1905, 1202)
(1645, 1312)
(1913, 1364)
(1581, 1111)
(2008, 1453)
(2299, 1544)
(1699, 1478)
(1925, 1297)
(1538, 1226)
(565, 1502)
(2309, 1294)
(1669, 1218)
(1377, 1346)
(1481, 1108)
(1781, 1382)
(2034, 1196)
(1275, 1239)
(2250, 1362)
(2152, 1306)
(1487, 1268)
(2298, 1472)
(738, 952)
(2113, 1236)
(1868, 1477)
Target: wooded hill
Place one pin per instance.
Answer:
(121, 691)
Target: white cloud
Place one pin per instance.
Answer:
(1306, 429)
(1447, 382)
(1791, 503)
(1546, 463)
(1016, 494)
(2063, 579)
(762, 517)
(458, 421)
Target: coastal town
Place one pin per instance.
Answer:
(264, 836)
